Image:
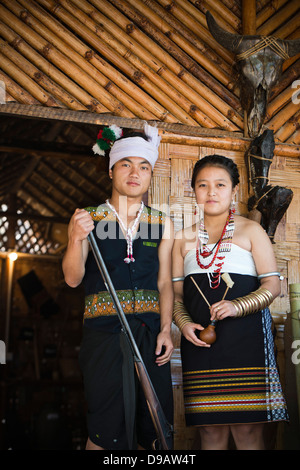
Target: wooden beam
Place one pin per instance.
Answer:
(39, 150)
(34, 217)
(227, 143)
(41, 112)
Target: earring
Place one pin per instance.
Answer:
(232, 206)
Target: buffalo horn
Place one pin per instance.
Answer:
(292, 46)
(228, 40)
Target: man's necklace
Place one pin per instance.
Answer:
(128, 231)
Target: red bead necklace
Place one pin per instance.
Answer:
(205, 252)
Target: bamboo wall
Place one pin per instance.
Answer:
(171, 188)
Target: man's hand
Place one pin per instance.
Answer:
(164, 348)
(81, 224)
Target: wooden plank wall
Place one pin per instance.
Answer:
(171, 191)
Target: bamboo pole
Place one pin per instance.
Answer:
(277, 19)
(80, 69)
(157, 58)
(183, 34)
(163, 26)
(286, 80)
(159, 53)
(161, 69)
(46, 67)
(249, 17)
(155, 32)
(289, 27)
(279, 102)
(121, 63)
(295, 138)
(34, 39)
(36, 75)
(16, 91)
(294, 290)
(211, 116)
(199, 27)
(282, 116)
(9, 98)
(20, 77)
(177, 103)
(158, 67)
(102, 67)
(287, 130)
(234, 6)
(224, 13)
(267, 11)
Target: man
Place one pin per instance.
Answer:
(135, 242)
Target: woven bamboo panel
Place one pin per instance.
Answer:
(147, 59)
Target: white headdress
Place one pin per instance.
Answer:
(135, 147)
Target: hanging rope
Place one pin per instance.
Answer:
(266, 41)
(249, 167)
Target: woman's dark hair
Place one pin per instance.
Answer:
(218, 161)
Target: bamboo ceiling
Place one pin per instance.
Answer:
(146, 59)
(122, 60)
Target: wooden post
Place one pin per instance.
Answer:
(249, 17)
(9, 268)
(295, 318)
(9, 273)
(249, 28)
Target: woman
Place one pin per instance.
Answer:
(231, 385)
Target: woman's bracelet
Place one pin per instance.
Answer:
(253, 302)
(180, 315)
(275, 273)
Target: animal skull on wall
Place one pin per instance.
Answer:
(259, 63)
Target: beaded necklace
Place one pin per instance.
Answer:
(222, 246)
(129, 231)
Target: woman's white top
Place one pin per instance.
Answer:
(238, 261)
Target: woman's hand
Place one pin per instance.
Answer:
(223, 309)
(188, 332)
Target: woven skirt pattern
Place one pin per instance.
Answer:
(236, 380)
(236, 395)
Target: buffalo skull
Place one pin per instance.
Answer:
(259, 64)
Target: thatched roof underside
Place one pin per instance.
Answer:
(46, 171)
(146, 59)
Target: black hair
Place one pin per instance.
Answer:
(133, 133)
(218, 161)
